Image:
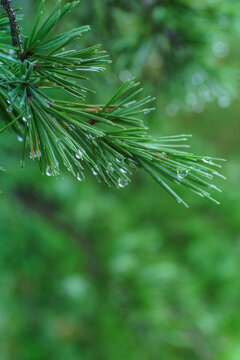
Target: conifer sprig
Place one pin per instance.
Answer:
(111, 140)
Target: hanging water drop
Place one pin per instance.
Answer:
(110, 168)
(79, 154)
(181, 174)
(122, 183)
(20, 139)
(95, 173)
(37, 154)
(80, 177)
(70, 168)
(207, 161)
(49, 171)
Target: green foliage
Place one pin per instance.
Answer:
(95, 274)
(108, 139)
(186, 43)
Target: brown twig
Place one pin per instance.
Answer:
(14, 27)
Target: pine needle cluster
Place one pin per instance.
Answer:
(110, 140)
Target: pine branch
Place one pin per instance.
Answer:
(108, 139)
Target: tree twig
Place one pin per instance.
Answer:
(14, 27)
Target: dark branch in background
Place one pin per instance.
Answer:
(14, 27)
(48, 210)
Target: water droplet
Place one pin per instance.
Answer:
(49, 171)
(79, 154)
(36, 154)
(109, 168)
(70, 168)
(207, 160)
(181, 174)
(123, 171)
(122, 183)
(94, 171)
(20, 139)
(24, 119)
(80, 176)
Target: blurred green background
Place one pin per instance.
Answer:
(92, 273)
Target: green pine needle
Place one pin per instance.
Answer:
(110, 140)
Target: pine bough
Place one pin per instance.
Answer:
(108, 139)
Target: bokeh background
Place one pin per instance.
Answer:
(92, 273)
